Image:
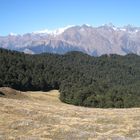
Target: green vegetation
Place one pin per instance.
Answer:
(106, 81)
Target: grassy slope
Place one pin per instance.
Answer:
(41, 116)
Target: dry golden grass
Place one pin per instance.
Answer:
(41, 116)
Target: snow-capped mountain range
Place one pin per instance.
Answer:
(105, 39)
(53, 32)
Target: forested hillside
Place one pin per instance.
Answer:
(106, 81)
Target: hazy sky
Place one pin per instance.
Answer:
(22, 16)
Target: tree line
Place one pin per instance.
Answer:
(105, 81)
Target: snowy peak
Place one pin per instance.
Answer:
(129, 28)
(105, 39)
(53, 32)
(12, 34)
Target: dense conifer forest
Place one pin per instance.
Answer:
(107, 81)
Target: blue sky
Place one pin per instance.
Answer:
(22, 16)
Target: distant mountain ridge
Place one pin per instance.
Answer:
(96, 41)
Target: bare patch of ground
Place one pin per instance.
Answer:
(41, 116)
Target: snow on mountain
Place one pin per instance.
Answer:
(53, 32)
(13, 34)
(105, 39)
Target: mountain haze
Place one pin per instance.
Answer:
(96, 41)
